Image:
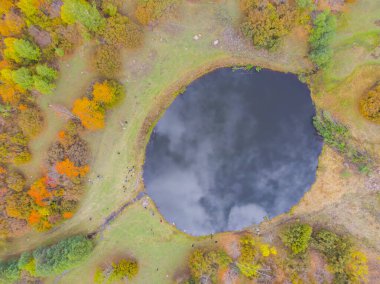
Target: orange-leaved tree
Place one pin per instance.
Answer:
(90, 114)
(68, 215)
(39, 192)
(10, 93)
(34, 217)
(68, 168)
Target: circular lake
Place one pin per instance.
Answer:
(235, 147)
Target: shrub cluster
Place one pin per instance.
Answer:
(297, 238)
(149, 11)
(123, 269)
(347, 264)
(337, 136)
(205, 264)
(370, 104)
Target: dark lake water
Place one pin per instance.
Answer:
(234, 148)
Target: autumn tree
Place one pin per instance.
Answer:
(30, 121)
(39, 192)
(103, 93)
(204, 263)
(10, 93)
(13, 147)
(33, 12)
(251, 252)
(90, 114)
(5, 6)
(11, 24)
(121, 31)
(68, 168)
(266, 22)
(149, 11)
(107, 92)
(18, 205)
(15, 180)
(370, 104)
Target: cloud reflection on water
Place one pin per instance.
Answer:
(234, 148)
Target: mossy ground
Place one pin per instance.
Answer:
(171, 59)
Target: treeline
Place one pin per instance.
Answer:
(46, 261)
(256, 260)
(35, 35)
(347, 264)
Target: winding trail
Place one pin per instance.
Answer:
(111, 217)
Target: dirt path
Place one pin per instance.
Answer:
(110, 218)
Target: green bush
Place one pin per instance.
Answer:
(46, 72)
(336, 249)
(297, 238)
(62, 256)
(323, 31)
(9, 272)
(43, 86)
(124, 269)
(333, 133)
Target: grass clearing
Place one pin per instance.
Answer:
(357, 38)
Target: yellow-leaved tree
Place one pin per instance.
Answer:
(104, 93)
